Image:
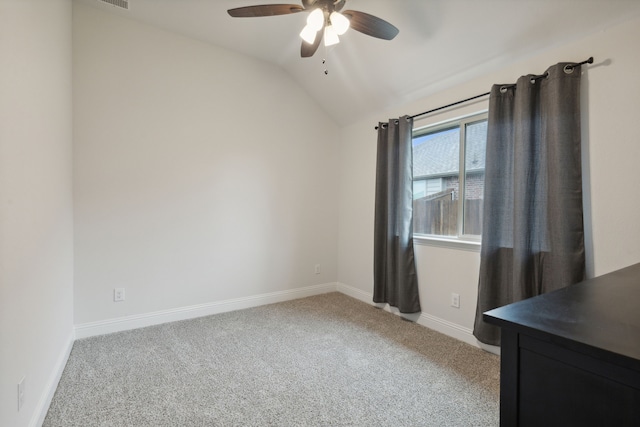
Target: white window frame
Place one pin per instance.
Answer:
(460, 241)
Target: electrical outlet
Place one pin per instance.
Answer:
(118, 294)
(455, 300)
(317, 270)
(21, 394)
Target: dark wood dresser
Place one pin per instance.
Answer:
(572, 357)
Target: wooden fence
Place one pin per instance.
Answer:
(440, 217)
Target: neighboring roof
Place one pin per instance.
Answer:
(438, 155)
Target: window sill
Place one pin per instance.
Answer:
(449, 243)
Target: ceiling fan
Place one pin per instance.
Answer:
(325, 20)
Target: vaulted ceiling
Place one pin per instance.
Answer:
(441, 42)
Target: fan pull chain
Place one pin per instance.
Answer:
(324, 59)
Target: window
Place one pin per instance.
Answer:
(448, 178)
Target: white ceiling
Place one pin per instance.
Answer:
(441, 42)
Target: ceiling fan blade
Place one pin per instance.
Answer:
(339, 5)
(308, 50)
(371, 25)
(264, 10)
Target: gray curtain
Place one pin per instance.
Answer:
(533, 234)
(394, 278)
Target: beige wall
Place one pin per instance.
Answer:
(200, 175)
(611, 149)
(36, 253)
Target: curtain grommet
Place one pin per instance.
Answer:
(534, 79)
(503, 89)
(568, 69)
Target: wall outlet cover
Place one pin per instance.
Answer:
(455, 300)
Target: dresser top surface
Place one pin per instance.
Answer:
(603, 313)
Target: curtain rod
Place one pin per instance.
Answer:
(450, 105)
(586, 61)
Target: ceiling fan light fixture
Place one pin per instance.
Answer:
(309, 34)
(330, 36)
(323, 15)
(339, 22)
(315, 20)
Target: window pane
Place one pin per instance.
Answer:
(436, 165)
(419, 188)
(475, 148)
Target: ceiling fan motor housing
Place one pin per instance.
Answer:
(327, 5)
(359, 21)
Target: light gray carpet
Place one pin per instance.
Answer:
(327, 360)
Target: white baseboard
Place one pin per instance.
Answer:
(448, 328)
(456, 331)
(44, 402)
(183, 313)
(427, 320)
(355, 293)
